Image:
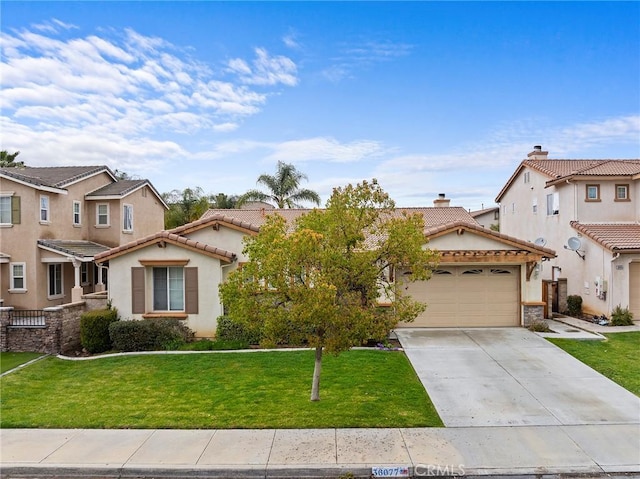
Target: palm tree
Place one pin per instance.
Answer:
(284, 190)
(8, 160)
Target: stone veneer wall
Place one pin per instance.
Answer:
(533, 313)
(60, 333)
(563, 307)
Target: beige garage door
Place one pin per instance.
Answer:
(468, 296)
(634, 289)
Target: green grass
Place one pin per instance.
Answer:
(230, 390)
(9, 361)
(617, 357)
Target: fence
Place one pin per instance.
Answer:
(51, 330)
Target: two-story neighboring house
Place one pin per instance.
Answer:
(54, 220)
(588, 211)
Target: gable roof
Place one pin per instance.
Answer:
(481, 212)
(171, 238)
(615, 237)
(561, 170)
(516, 243)
(121, 189)
(56, 177)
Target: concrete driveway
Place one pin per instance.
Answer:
(512, 377)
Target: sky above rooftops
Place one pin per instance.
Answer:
(426, 97)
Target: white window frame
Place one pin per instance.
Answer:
(45, 209)
(76, 216)
(534, 206)
(58, 288)
(8, 199)
(553, 204)
(106, 215)
(169, 306)
(592, 188)
(13, 277)
(127, 226)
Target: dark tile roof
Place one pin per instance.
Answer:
(52, 176)
(118, 188)
(615, 237)
(75, 248)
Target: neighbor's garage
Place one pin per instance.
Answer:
(468, 296)
(634, 289)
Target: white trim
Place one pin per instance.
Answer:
(12, 277)
(46, 220)
(73, 213)
(8, 195)
(48, 189)
(108, 223)
(126, 206)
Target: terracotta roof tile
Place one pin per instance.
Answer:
(615, 237)
(169, 237)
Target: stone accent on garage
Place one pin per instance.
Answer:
(532, 312)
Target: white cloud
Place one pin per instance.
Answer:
(290, 40)
(325, 149)
(265, 69)
(359, 55)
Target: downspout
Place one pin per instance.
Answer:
(610, 285)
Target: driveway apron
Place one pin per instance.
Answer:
(512, 377)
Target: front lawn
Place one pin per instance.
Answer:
(224, 390)
(9, 361)
(617, 358)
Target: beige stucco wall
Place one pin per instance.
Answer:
(209, 276)
(19, 241)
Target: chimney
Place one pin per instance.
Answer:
(537, 153)
(441, 201)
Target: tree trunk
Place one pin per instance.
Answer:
(315, 386)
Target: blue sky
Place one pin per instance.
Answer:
(427, 97)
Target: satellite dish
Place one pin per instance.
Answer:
(540, 241)
(574, 243)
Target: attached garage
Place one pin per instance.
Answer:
(469, 296)
(634, 289)
(484, 279)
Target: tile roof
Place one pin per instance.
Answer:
(52, 176)
(256, 218)
(168, 237)
(513, 241)
(75, 248)
(615, 237)
(118, 188)
(561, 170)
(477, 213)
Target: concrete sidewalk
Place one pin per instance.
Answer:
(595, 450)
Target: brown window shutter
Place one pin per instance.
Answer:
(137, 291)
(15, 210)
(191, 290)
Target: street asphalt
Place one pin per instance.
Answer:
(514, 406)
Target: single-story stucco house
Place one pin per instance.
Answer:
(484, 278)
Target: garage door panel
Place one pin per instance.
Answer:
(468, 296)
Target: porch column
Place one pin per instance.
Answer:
(100, 284)
(76, 291)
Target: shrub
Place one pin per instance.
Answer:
(539, 327)
(217, 345)
(149, 334)
(621, 317)
(94, 329)
(574, 305)
(229, 330)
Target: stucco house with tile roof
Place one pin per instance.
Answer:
(589, 212)
(484, 278)
(54, 220)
